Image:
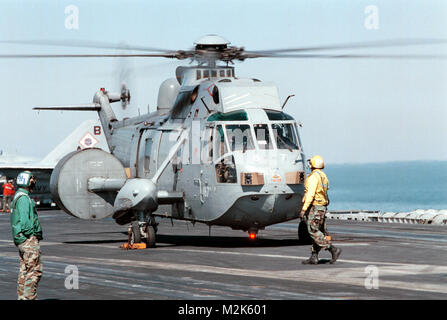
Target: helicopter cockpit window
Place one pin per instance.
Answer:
(213, 73)
(220, 147)
(206, 73)
(239, 137)
(207, 146)
(222, 73)
(278, 115)
(199, 74)
(263, 136)
(226, 170)
(182, 105)
(147, 154)
(239, 115)
(194, 94)
(228, 73)
(285, 136)
(216, 95)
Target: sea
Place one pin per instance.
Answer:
(388, 187)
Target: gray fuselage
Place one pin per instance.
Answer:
(242, 165)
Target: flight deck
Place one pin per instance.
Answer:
(379, 261)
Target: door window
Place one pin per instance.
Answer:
(285, 136)
(220, 147)
(226, 170)
(263, 136)
(207, 146)
(147, 155)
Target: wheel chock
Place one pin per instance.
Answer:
(135, 246)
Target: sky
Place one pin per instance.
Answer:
(352, 111)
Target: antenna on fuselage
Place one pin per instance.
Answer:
(284, 104)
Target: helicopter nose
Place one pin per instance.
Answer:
(269, 204)
(259, 210)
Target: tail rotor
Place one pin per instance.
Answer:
(125, 95)
(125, 77)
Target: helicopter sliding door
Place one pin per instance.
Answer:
(154, 147)
(165, 140)
(197, 170)
(206, 161)
(146, 163)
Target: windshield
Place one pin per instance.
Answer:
(239, 137)
(277, 115)
(239, 115)
(263, 136)
(285, 136)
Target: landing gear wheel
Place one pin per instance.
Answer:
(150, 236)
(136, 233)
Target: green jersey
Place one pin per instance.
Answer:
(24, 220)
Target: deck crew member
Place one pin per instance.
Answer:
(26, 232)
(315, 202)
(8, 194)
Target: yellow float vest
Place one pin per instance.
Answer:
(315, 190)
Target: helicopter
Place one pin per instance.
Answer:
(218, 150)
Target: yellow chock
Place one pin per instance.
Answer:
(135, 246)
(328, 238)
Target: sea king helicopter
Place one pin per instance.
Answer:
(218, 150)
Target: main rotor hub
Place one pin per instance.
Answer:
(211, 42)
(212, 48)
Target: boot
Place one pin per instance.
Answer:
(312, 260)
(335, 252)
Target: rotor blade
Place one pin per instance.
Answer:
(85, 44)
(348, 56)
(21, 56)
(79, 107)
(357, 45)
(146, 69)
